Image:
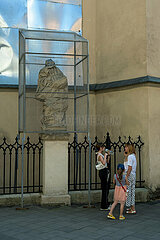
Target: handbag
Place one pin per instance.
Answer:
(126, 191)
(100, 166)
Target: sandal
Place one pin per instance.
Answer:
(128, 209)
(110, 216)
(121, 217)
(131, 211)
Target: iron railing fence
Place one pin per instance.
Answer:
(10, 167)
(78, 162)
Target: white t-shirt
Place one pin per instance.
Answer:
(133, 163)
(126, 166)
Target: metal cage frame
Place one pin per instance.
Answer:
(22, 73)
(41, 35)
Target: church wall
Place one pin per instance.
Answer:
(120, 40)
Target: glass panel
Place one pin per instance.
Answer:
(50, 47)
(81, 112)
(34, 63)
(8, 56)
(13, 13)
(21, 84)
(57, 16)
(35, 108)
(74, 2)
(48, 35)
(70, 59)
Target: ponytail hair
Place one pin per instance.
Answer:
(99, 145)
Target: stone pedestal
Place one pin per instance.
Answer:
(55, 170)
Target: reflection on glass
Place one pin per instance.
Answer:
(6, 54)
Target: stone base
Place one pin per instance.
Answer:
(55, 136)
(78, 197)
(53, 200)
(15, 199)
(81, 197)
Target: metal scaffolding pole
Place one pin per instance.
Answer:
(22, 200)
(75, 110)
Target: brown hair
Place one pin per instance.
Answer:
(99, 145)
(131, 148)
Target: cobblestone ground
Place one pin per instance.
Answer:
(79, 223)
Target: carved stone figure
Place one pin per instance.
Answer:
(52, 91)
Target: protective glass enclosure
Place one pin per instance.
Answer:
(53, 82)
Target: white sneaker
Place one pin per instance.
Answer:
(103, 209)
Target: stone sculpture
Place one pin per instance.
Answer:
(52, 91)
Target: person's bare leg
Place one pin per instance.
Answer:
(113, 207)
(121, 209)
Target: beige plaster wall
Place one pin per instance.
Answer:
(120, 39)
(122, 113)
(130, 111)
(118, 35)
(124, 38)
(9, 113)
(89, 32)
(9, 129)
(154, 137)
(125, 43)
(153, 37)
(92, 115)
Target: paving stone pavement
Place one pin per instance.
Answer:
(79, 223)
